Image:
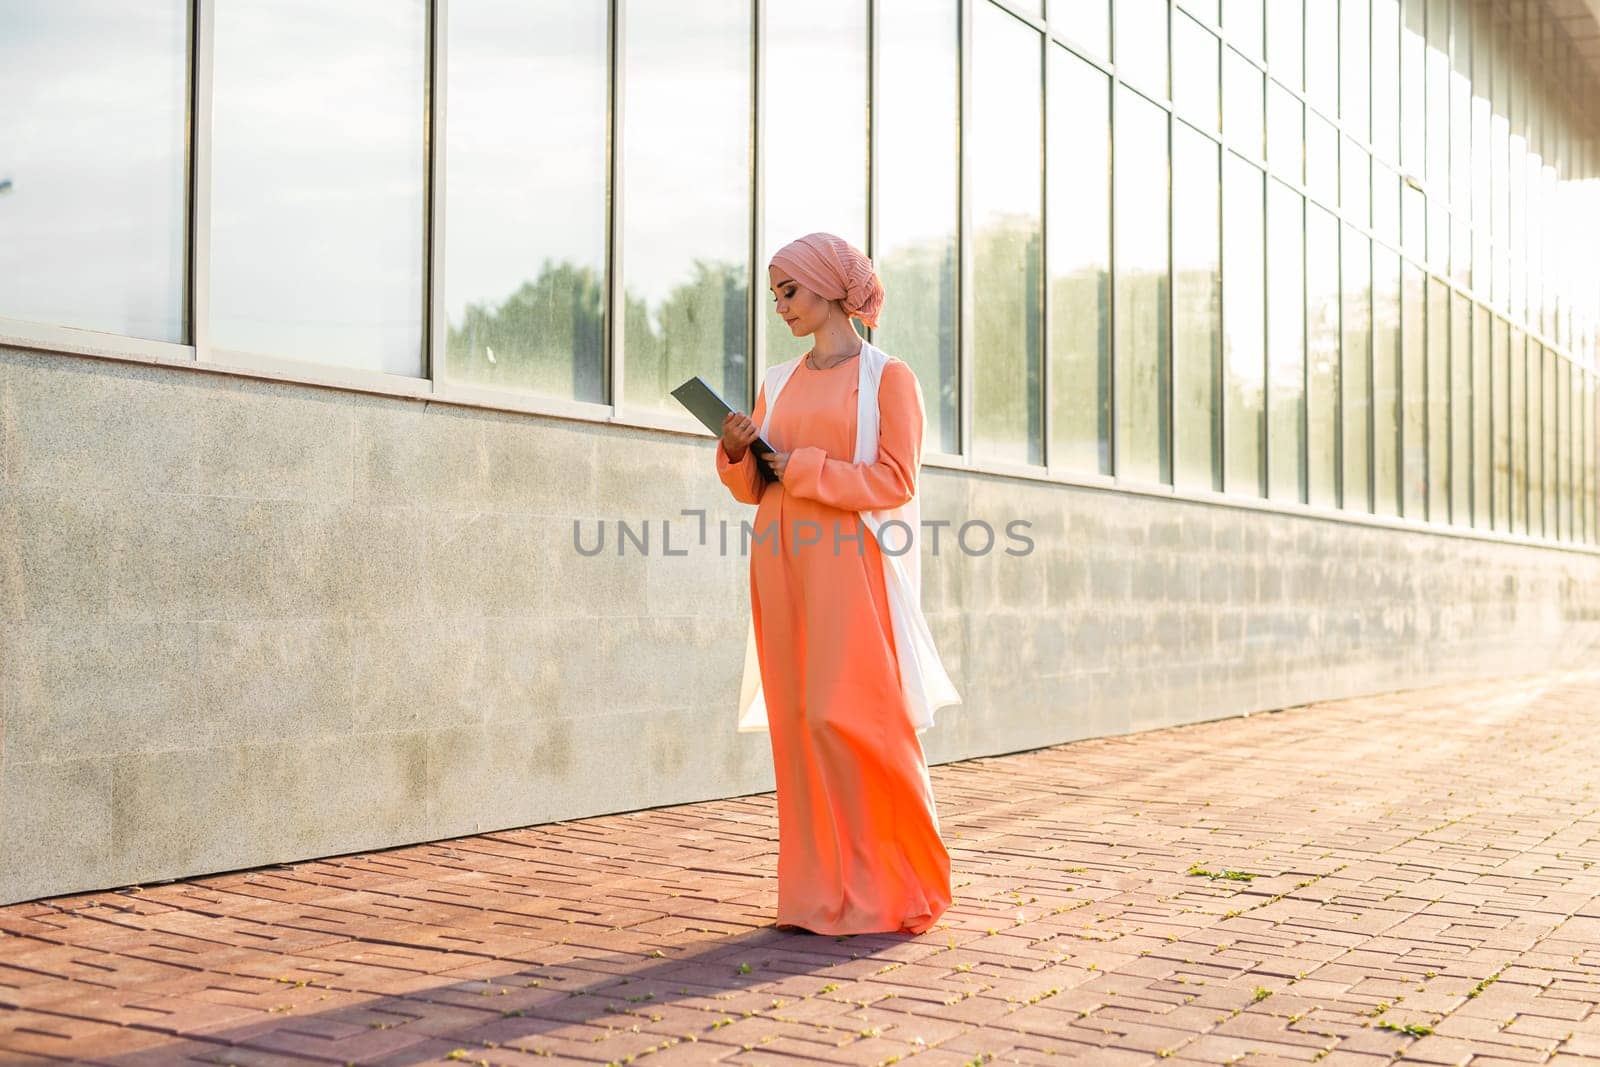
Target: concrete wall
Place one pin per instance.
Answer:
(246, 621)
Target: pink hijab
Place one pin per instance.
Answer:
(834, 269)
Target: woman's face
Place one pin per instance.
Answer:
(804, 310)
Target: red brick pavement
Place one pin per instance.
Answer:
(1408, 877)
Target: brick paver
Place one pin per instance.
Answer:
(1412, 877)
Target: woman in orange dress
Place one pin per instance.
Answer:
(859, 849)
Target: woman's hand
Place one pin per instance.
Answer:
(778, 462)
(737, 433)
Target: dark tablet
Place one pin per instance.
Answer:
(707, 405)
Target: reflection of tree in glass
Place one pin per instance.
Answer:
(698, 329)
(1006, 337)
(919, 327)
(547, 337)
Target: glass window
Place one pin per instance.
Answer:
(525, 216)
(94, 127)
(1583, 519)
(685, 215)
(1141, 43)
(1413, 52)
(1322, 159)
(1461, 110)
(1386, 80)
(1284, 32)
(1242, 24)
(1242, 115)
(1285, 133)
(1355, 379)
(1286, 355)
(1243, 323)
(1480, 165)
(1413, 389)
(1460, 410)
(289, 177)
(1460, 251)
(1499, 385)
(1385, 380)
(1322, 356)
(1534, 357)
(1413, 224)
(1555, 420)
(1080, 264)
(1438, 98)
(1007, 195)
(1483, 422)
(1195, 90)
(1140, 170)
(918, 48)
(1084, 22)
(1385, 204)
(1499, 147)
(1355, 183)
(1354, 59)
(1583, 468)
(1196, 313)
(1438, 385)
(1571, 477)
(1322, 56)
(1438, 236)
(1519, 433)
(798, 197)
(1210, 10)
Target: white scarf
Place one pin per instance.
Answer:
(922, 676)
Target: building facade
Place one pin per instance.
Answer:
(346, 505)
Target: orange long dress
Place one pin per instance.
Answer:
(859, 849)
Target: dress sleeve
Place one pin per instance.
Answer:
(744, 479)
(886, 483)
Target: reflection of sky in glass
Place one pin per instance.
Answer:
(1241, 103)
(525, 145)
(1079, 243)
(1084, 22)
(1322, 159)
(317, 180)
(1354, 55)
(1284, 40)
(1140, 169)
(1007, 193)
(1412, 52)
(1355, 182)
(1194, 72)
(1438, 95)
(93, 105)
(1242, 24)
(1322, 56)
(685, 143)
(1141, 41)
(918, 49)
(1386, 78)
(809, 188)
(1285, 138)
(685, 159)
